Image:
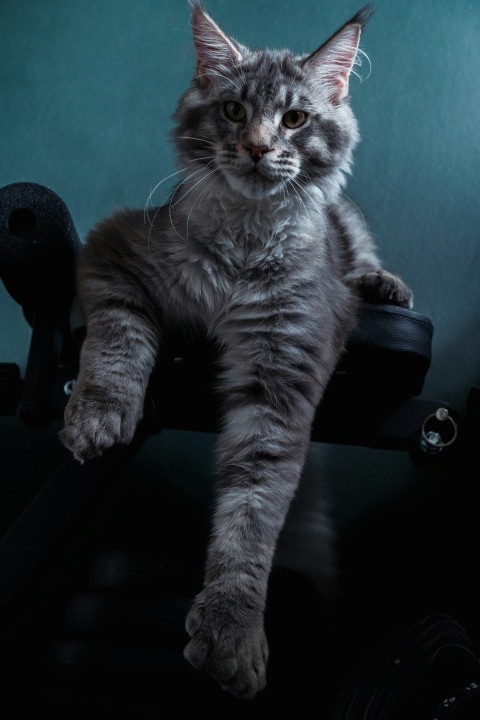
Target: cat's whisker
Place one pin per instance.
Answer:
(241, 74)
(198, 199)
(205, 157)
(358, 63)
(178, 172)
(197, 139)
(152, 191)
(285, 194)
(172, 204)
(294, 182)
(174, 192)
(165, 179)
(192, 175)
(305, 174)
(172, 223)
(303, 188)
(217, 73)
(182, 197)
(152, 225)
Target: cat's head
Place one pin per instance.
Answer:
(268, 122)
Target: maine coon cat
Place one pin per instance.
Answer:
(258, 248)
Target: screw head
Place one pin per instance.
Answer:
(68, 387)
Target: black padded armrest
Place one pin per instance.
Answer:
(393, 328)
(390, 346)
(387, 358)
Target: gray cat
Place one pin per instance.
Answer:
(259, 249)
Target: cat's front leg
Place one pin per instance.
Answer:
(260, 454)
(107, 401)
(380, 286)
(227, 642)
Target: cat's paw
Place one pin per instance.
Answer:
(381, 286)
(95, 420)
(235, 654)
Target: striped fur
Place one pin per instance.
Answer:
(257, 248)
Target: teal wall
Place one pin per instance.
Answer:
(87, 88)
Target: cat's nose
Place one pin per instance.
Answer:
(257, 151)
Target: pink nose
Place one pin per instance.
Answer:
(257, 151)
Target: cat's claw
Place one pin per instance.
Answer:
(234, 655)
(95, 422)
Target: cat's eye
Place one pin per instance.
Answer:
(294, 119)
(234, 111)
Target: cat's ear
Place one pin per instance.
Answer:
(216, 52)
(332, 63)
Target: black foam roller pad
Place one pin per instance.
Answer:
(38, 245)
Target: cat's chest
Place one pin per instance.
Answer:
(239, 261)
(237, 257)
(245, 253)
(253, 244)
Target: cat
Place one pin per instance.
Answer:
(258, 248)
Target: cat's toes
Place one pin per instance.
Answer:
(381, 286)
(79, 445)
(94, 422)
(233, 655)
(237, 663)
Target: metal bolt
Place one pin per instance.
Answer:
(442, 414)
(433, 438)
(68, 387)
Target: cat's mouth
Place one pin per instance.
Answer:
(261, 172)
(255, 183)
(270, 171)
(254, 179)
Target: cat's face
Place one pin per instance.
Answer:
(266, 121)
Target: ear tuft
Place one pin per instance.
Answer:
(362, 17)
(216, 52)
(332, 63)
